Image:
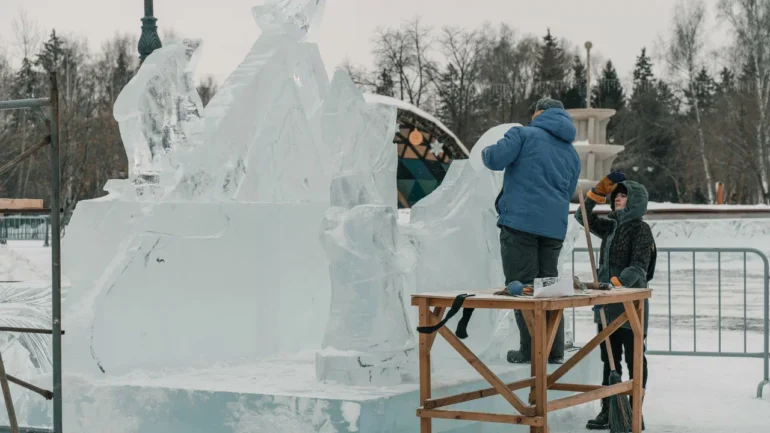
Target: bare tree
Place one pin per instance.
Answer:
(750, 23)
(457, 81)
(684, 58)
(404, 53)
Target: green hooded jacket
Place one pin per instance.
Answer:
(627, 248)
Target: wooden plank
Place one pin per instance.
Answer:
(480, 416)
(590, 346)
(529, 319)
(487, 300)
(633, 318)
(577, 387)
(539, 342)
(425, 380)
(475, 395)
(573, 387)
(585, 397)
(553, 327)
(434, 318)
(636, 424)
(7, 397)
(9, 204)
(485, 372)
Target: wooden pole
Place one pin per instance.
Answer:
(588, 233)
(7, 397)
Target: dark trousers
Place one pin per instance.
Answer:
(622, 341)
(526, 257)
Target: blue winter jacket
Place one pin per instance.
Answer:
(541, 173)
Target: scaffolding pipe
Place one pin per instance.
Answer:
(56, 258)
(24, 103)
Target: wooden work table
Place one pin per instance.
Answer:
(543, 332)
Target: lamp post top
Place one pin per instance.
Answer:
(149, 41)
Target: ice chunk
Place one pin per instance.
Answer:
(359, 138)
(457, 240)
(367, 338)
(261, 133)
(295, 18)
(492, 136)
(158, 108)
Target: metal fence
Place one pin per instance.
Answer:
(25, 228)
(718, 281)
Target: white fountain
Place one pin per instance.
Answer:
(596, 156)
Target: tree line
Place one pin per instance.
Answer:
(684, 130)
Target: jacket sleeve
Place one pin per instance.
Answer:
(505, 151)
(635, 275)
(599, 226)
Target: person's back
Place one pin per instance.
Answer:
(541, 172)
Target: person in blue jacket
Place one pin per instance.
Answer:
(541, 170)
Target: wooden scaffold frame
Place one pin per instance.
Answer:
(543, 331)
(52, 121)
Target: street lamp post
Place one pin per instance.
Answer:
(150, 41)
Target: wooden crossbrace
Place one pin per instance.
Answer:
(485, 372)
(7, 397)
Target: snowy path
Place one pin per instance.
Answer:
(702, 395)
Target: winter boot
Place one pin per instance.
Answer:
(556, 360)
(517, 357)
(602, 421)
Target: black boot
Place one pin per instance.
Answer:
(602, 421)
(518, 357)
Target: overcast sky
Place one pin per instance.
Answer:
(617, 28)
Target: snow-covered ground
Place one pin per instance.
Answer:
(685, 394)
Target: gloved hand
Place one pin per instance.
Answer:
(605, 186)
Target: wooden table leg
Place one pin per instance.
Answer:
(638, 371)
(539, 347)
(426, 425)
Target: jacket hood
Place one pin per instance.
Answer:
(636, 206)
(557, 122)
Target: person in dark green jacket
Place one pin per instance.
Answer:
(627, 258)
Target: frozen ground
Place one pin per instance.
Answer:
(686, 394)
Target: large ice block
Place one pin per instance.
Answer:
(368, 340)
(159, 108)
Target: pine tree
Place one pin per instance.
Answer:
(549, 75)
(51, 56)
(704, 89)
(608, 92)
(643, 76)
(575, 96)
(726, 81)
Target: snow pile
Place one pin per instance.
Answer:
(18, 267)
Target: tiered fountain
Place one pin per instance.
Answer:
(596, 156)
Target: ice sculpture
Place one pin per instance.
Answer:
(295, 18)
(158, 109)
(277, 155)
(367, 338)
(241, 197)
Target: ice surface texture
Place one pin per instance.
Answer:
(368, 340)
(158, 108)
(295, 18)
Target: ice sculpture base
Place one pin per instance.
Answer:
(281, 395)
(356, 368)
